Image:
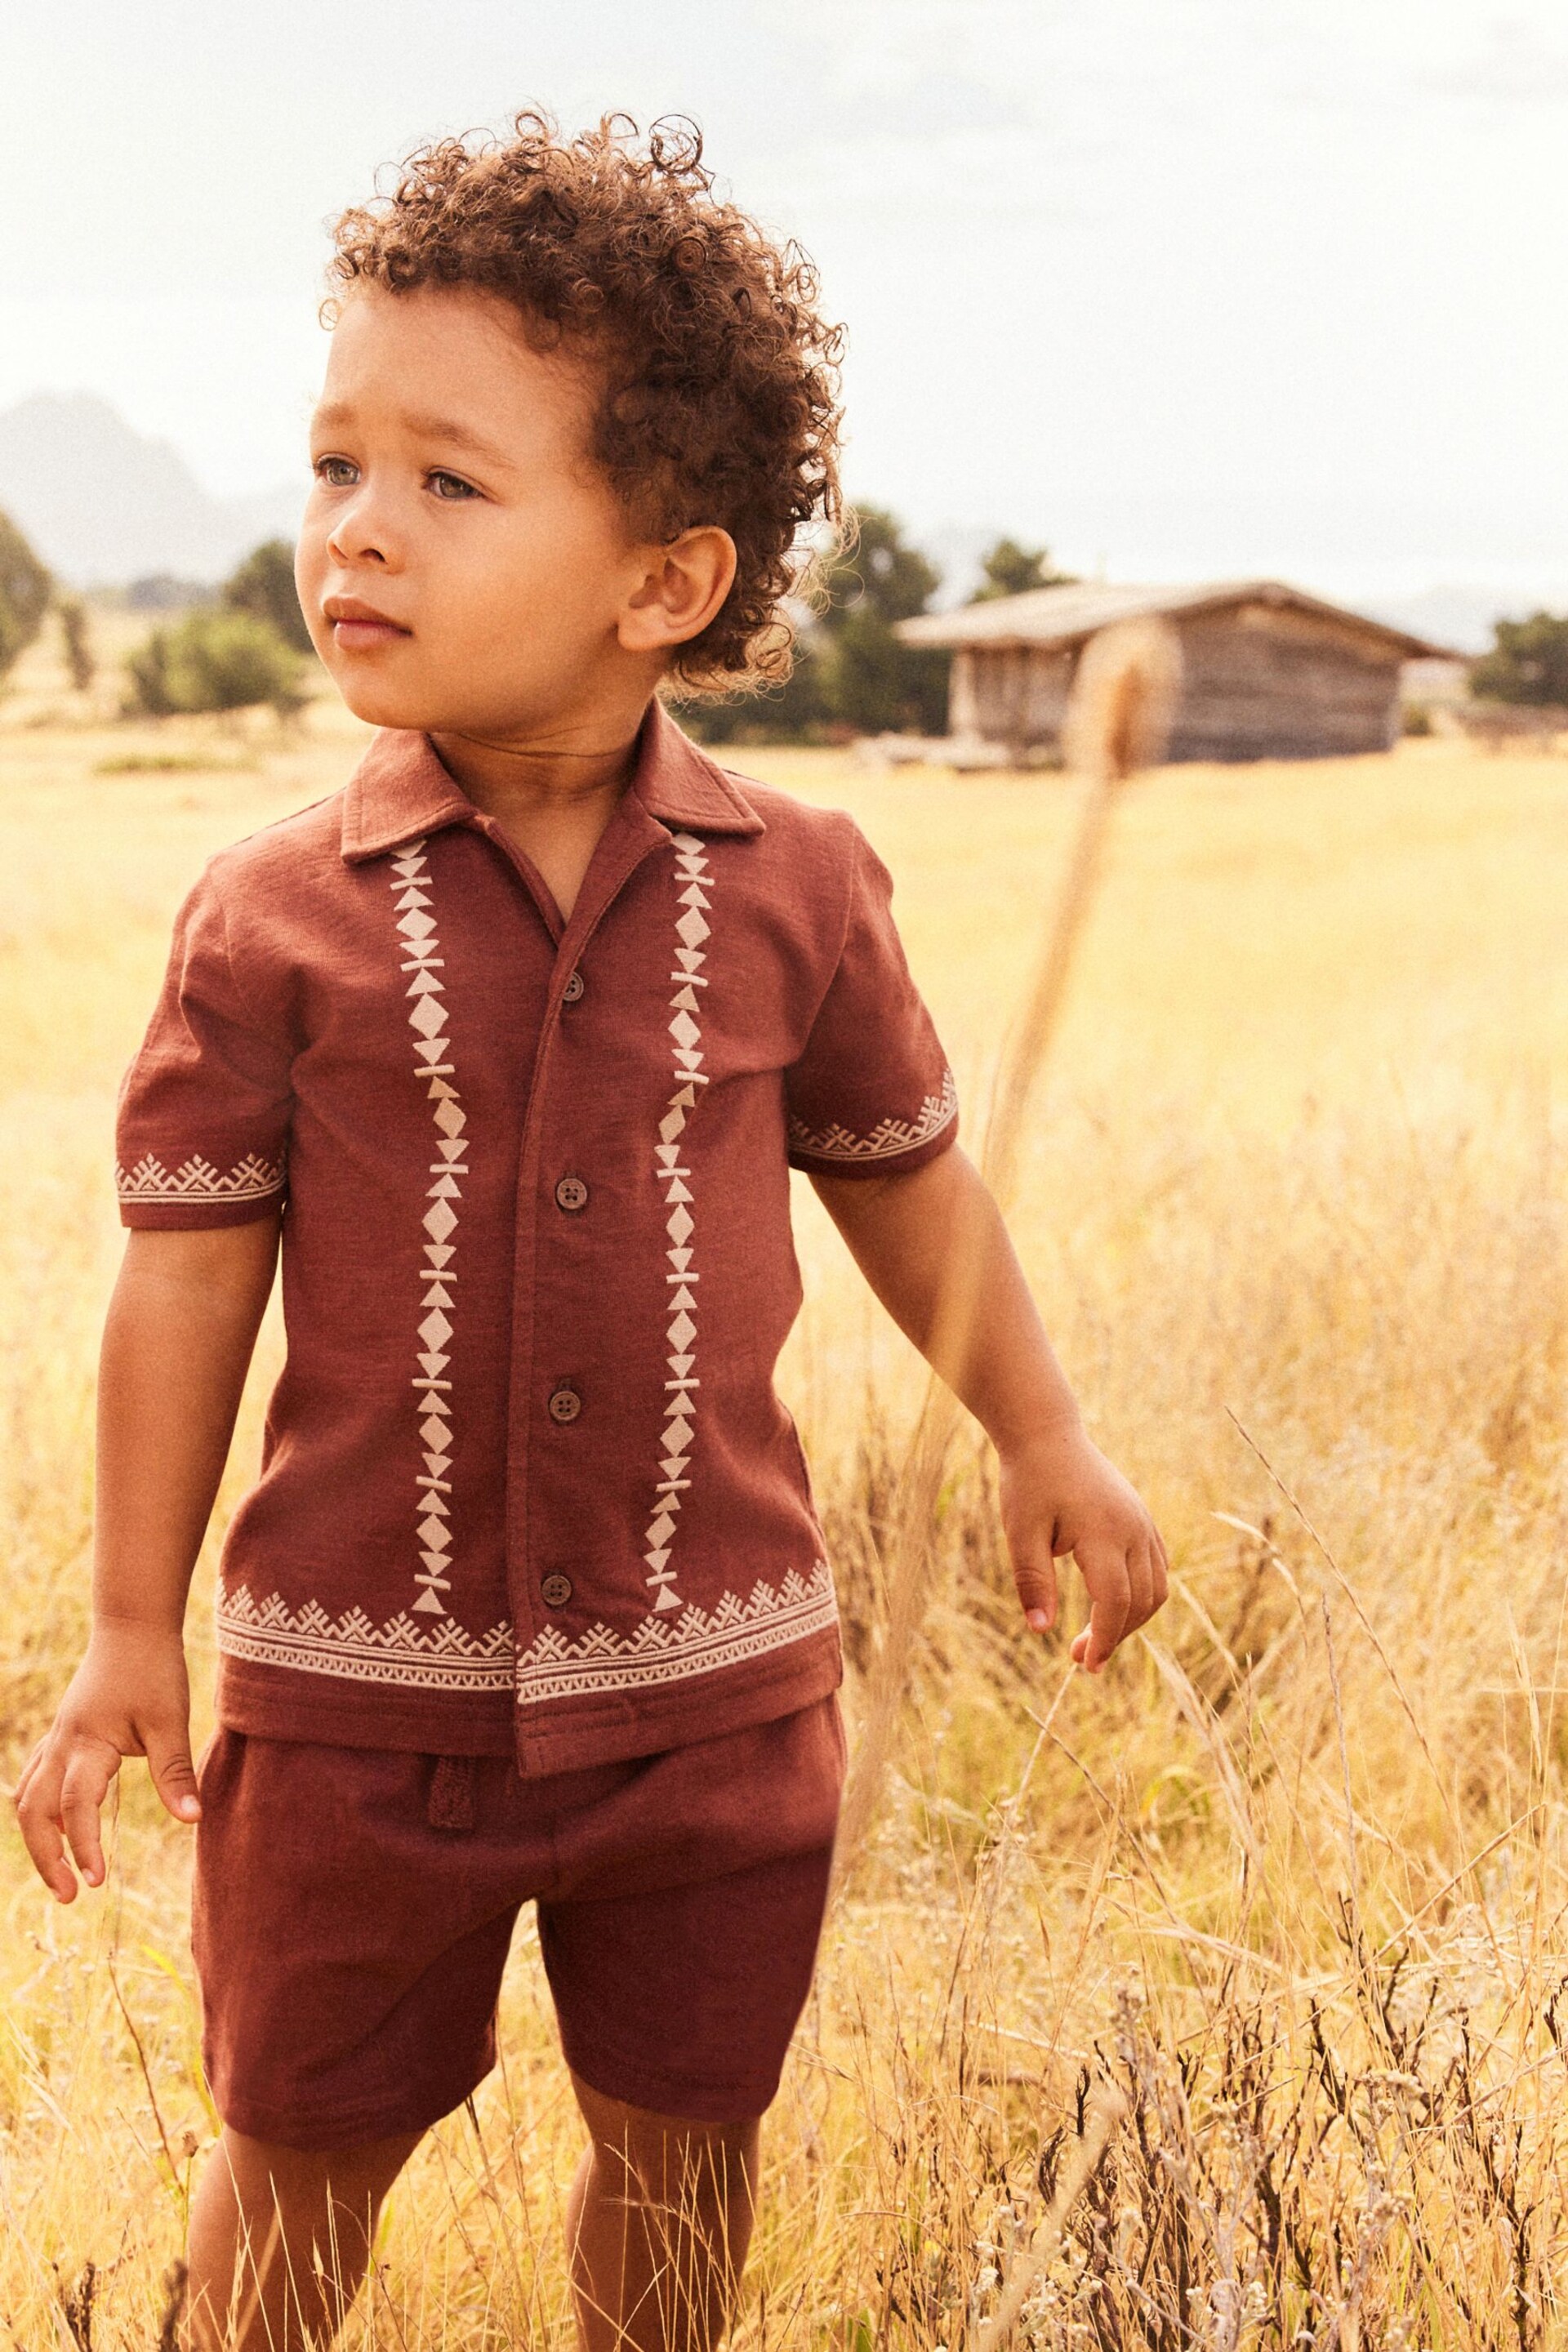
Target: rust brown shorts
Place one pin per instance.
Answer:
(353, 1910)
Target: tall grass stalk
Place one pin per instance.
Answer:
(1123, 696)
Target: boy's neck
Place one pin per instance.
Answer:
(552, 798)
(523, 778)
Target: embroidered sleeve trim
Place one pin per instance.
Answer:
(415, 1657)
(250, 1179)
(672, 1649)
(888, 1140)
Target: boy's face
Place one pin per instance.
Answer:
(463, 565)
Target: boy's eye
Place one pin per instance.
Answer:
(338, 473)
(450, 486)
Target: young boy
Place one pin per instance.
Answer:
(512, 1043)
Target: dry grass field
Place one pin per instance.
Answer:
(1288, 1884)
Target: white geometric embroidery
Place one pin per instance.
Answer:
(884, 1142)
(250, 1179)
(667, 1650)
(411, 880)
(675, 1445)
(435, 1657)
(443, 1657)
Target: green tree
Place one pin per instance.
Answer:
(876, 575)
(264, 585)
(1011, 569)
(1528, 663)
(851, 676)
(25, 590)
(873, 684)
(215, 660)
(77, 638)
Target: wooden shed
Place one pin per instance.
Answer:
(1269, 673)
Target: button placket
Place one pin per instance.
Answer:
(563, 1402)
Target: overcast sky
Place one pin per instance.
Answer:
(1183, 287)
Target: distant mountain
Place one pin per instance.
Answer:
(104, 504)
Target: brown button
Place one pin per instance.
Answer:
(572, 990)
(555, 1592)
(565, 1404)
(571, 1194)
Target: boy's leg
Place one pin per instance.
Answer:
(280, 2241)
(349, 1951)
(658, 2223)
(677, 1997)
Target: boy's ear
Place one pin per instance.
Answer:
(686, 581)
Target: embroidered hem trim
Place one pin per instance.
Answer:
(886, 1142)
(415, 1657)
(250, 1179)
(664, 1648)
(670, 1649)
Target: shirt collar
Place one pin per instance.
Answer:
(400, 792)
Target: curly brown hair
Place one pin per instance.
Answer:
(719, 376)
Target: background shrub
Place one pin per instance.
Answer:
(24, 588)
(264, 586)
(1528, 663)
(217, 659)
(75, 637)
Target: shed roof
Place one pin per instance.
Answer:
(1063, 617)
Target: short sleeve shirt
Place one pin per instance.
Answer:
(526, 1483)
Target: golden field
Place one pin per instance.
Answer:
(1291, 1878)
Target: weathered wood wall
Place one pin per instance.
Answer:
(1015, 695)
(1261, 682)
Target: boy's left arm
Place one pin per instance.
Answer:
(934, 1249)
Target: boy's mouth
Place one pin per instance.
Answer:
(358, 626)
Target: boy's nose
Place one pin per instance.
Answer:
(362, 534)
(356, 547)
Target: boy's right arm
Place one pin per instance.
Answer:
(176, 1344)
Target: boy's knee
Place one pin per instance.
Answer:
(267, 2172)
(652, 2144)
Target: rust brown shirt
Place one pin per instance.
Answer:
(525, 1475)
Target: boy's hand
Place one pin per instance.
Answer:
(1061, 1494)
(130, 1696)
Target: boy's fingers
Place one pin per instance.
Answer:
(1034, 1574)
(1142, 1603)
(85, 1786)
(29, 1772)
(38, 1816)
(174, 1774)
(1162, 1571)
(1104, 1571)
